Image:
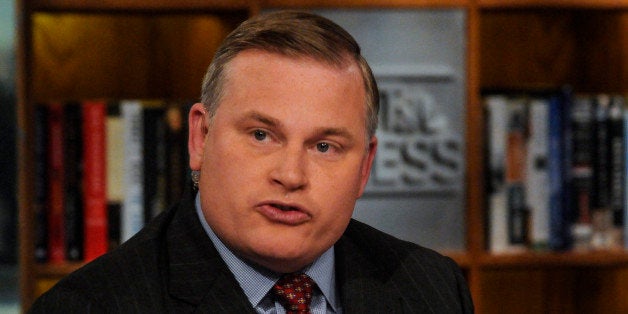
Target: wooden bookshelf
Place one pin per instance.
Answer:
(512, 44)
(529, 260)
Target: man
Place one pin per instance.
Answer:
(281, 148)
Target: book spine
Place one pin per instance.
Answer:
(115, 171)
(537, 178)
(496, 110)
(601, 172)
(602, 215)
(132, 215)
(94, 155)
(56, 232)
(582, 124)
(176, 156)
(515, 173)
(616, 150)
(558, 136)
(41, 184)
(155, 184)
(73, 198)
(625, 187)
(567, 190)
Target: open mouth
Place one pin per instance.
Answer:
(285, 208)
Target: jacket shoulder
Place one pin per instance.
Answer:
(385, 248)
(118, 279)
(429, 280)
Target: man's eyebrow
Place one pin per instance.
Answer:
(342, 132)
(258, 116)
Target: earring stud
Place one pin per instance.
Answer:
(196, 177)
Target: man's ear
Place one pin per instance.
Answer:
(197, 119)
(367, 164)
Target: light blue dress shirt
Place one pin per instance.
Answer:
(257, 281)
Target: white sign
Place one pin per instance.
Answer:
(419, 148)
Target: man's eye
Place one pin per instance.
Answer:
(322, 147)
(260, 135)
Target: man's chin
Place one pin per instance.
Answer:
(282, 262)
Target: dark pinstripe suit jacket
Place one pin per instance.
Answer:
(171, 266)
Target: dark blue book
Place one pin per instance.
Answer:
(559, 168)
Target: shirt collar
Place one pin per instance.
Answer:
(256, 281)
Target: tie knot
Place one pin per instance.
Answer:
(294, 292)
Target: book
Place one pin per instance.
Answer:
(497, 115)
(497, 112)
(601, 214)
(559, 169)
(155, 178)
(176, 145)
(616, 168)
(96, 240)
(55, 178)
(132, 211)
(515, 175)
(583, 130)
(625, 187)
(601, 167)
(537, 177)
(115, 171)
(40, 186)
(72, 182)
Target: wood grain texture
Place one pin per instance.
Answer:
(79, 56)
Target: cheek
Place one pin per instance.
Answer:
(339, 189)
(345, 181)
(226, 163)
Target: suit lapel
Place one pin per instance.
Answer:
(197, 275)
(360, 281)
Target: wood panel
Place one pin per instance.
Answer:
(514, 291)
(611, 291)
(534, 49)
(590, 4)
(562, 290)
(141, 5)
(603, 51)
(367, 3)
(549, 48)
(123, 56)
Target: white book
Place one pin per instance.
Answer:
(132, 211)
(537, 176)
(501, 110)
(497, 112)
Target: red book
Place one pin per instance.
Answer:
(96, 240)
(56, 231)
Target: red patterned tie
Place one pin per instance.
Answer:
(294, 292)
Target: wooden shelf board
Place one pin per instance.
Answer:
(367, 4)
(56, 270)
(138, 5)
(461, 257)
(582, 4)
(554, 259)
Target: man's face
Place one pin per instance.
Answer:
(284, 159)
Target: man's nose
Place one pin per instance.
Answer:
(290, 169)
